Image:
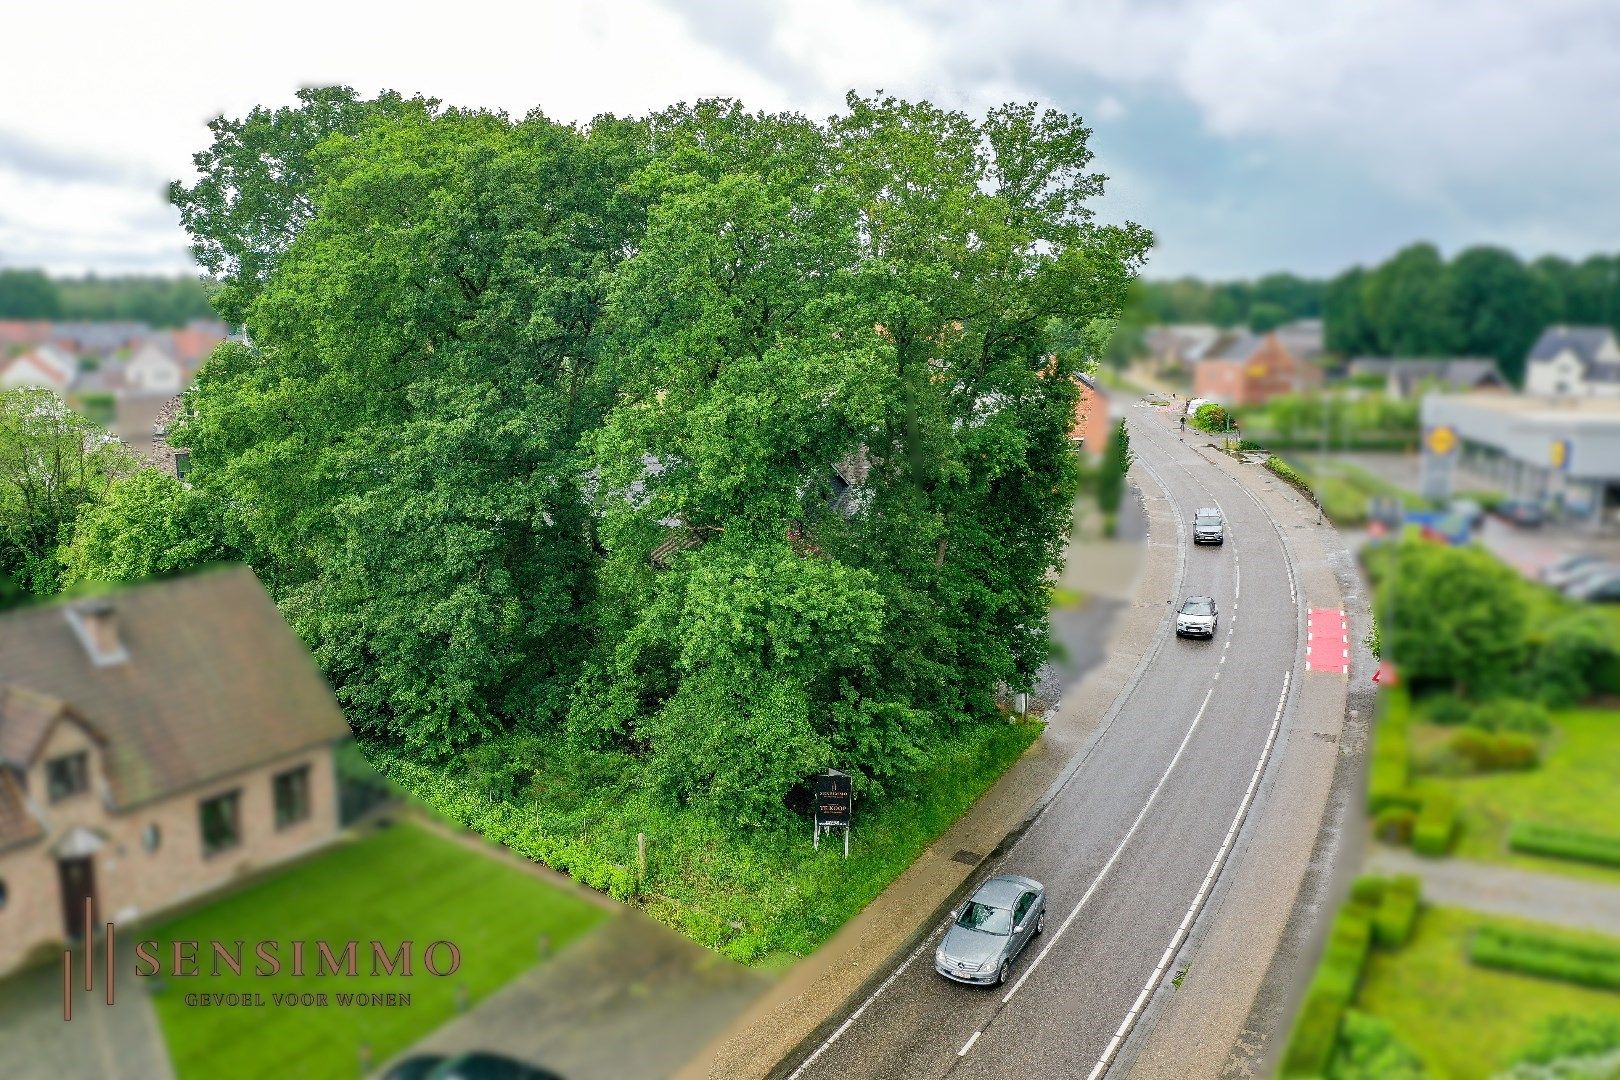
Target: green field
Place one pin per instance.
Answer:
(1577, 784)
(402, 883)
(1466, 1022)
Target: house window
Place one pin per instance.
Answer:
(67, 776)
(221, 822)
(151, 837)
(4, 895)
(182, 464)
(292, 796)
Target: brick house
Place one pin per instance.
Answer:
(155, 744)
(1091, 419)
(1252, 370)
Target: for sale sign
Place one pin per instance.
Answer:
(833, 798)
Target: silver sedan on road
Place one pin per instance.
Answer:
(990, 930)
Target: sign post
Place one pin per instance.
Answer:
(834, 804)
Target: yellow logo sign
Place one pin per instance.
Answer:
(1559, 454)
(1442, 441)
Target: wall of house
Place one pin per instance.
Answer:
(1218, 380)
(131, 882)
(1091, 421)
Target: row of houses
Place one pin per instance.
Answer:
(120, 372)
(1241, 368)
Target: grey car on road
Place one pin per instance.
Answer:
(990, 930)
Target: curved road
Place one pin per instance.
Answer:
(1135, 838)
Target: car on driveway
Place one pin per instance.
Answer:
(1570, 568)
(1197, 617)
(1522, 512)
(989, 931)
(1599, 585)
(1209, 527)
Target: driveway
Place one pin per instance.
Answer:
(115, 1042)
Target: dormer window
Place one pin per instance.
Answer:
(67, 776)
(95, 622)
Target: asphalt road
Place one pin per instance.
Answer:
(1134, 839)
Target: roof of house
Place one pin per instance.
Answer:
(1457, 373)
(1586, 342)
(1239, 348)
(17, 825)
(215, 683)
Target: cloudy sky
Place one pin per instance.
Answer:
(1250, 135)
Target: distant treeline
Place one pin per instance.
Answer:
(161, 301)
(1484, 302)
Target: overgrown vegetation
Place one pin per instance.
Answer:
(659, 455)
(159, 301)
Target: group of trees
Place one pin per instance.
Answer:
(538, 424)
(1484, 302)
(160, 301)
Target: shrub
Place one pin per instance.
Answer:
(1577, 655)
(1368, 1049)
(1436, 823)
(1580, 960)
(1512, 714)
(1316, 1030)
(1210, 418)
(1390, 767)
(1367, 890)
(1397, 911)
(1449, 710)
(1565, 843)
(1487, 751)
(1394, 824)
(1573, 1035)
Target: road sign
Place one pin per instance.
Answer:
(1442, 440)
(1386, 675)
(833, 807)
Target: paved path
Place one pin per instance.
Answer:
(1504, 890)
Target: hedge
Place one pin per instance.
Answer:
(1487, 751)
(1436, 822)
(1549, 955)
(1390, 768)
(1278, 467)
(1565, 843)
(1331, 990)
(1397, 911)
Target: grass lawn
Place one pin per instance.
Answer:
(1466, 1022)
(401, 883)
(1346, 489)
(1577, 784)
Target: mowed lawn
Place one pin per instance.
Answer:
(1466, 1022)
(1577, 784)
(403, 883)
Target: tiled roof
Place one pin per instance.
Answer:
(215, 683)
(1584, 341)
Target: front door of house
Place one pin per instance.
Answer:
(78, 885)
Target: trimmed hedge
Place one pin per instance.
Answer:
(1562, 842)
(1280, 468)
(1487, 751)
(1549, 955)
(1390, 769)
(1397, 911)
(1331, 990)
(1436, 823)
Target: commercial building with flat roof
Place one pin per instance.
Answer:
(1559, 451)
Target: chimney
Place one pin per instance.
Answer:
(96, 624)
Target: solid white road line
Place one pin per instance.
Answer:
(969, 1044)
(1114, 858)
(1197, 905)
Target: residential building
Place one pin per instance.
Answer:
(46, 365)
(1404, 378)
(1252, 370)
(1575, 361)
(155, 369)
(1180, 345)
(155, 744)
(1091, 416)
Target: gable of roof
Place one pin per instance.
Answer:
(1239, 348)
(216, 682)
(1585, 342)
(17, 824)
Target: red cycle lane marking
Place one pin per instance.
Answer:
(1327, 641)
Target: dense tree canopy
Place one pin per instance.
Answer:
(736, 442)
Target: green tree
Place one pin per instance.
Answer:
(28, 294)
(1346, 326)
(1116, 462)
(1265, 315)
(148, 525)
(1455, 616)
(1409, 307)
(1502, 306)
(53, 463)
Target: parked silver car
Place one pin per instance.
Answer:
(990, 930)
(1209, 527)
(1571, 568)
(1197, 617)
